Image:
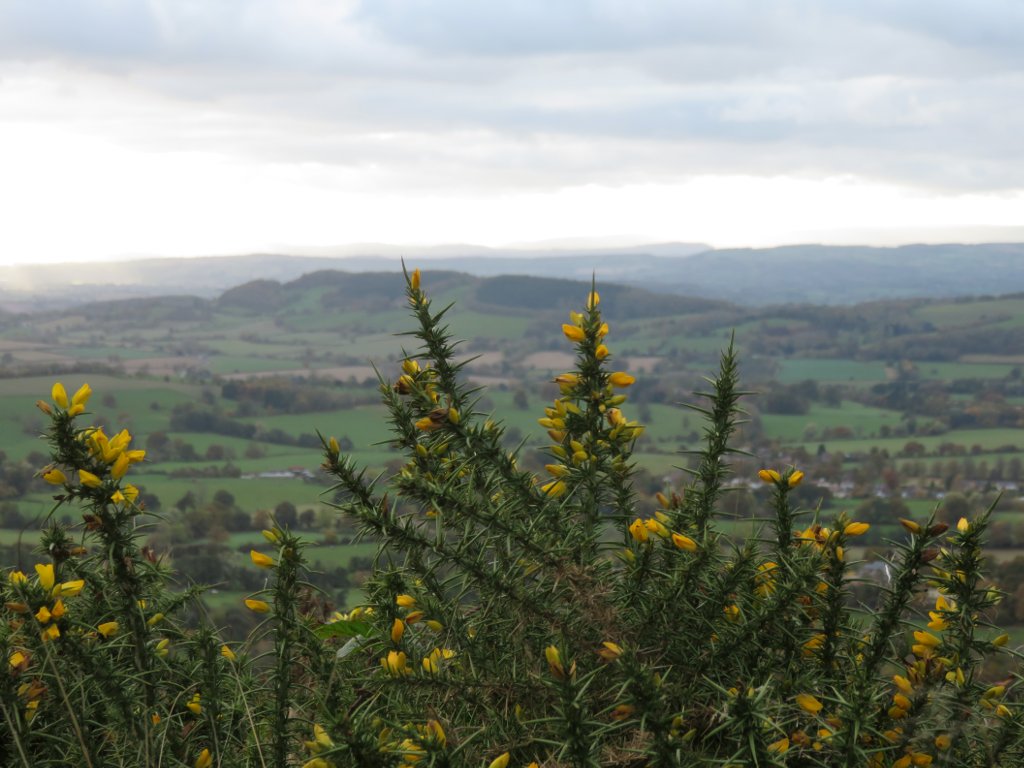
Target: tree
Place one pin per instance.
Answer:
(286, 514)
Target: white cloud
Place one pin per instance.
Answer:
(211, 125)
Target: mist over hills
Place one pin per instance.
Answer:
(814, 274)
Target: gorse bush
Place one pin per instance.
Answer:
(510, 620)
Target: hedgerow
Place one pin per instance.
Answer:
(510, 620)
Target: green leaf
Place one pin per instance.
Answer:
(343, 629)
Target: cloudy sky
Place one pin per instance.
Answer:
(187, 127)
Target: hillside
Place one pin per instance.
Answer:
(815, 274)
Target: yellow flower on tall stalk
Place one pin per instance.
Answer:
(262, 560)
(88, 479)
(397, 631)
(554, 488)
(395, 664)
(59, 395)
(257, 606)
(621, 379)
(55, 477)
(81, 397)
(71, 588)
(684, 542)
(638, 530)
(120, 466)
(573, 333)
(46, 577)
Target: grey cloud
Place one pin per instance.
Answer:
(535, 94)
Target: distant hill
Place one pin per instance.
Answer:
(812, 274)
(819, 274)
(330, 290)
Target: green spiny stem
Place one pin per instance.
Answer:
(286, 576)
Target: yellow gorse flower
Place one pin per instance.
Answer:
(257, 606)
(573, 333)
(554, 659)
(262, 560)
(46, 577)
(397, 631)
(554, 488)
(71, 588)
(684, 542)
(395, 663)
(621, 379)
(205, 759)
(108, 628)
(501, 761)
(88, 479)
(808, 703)
(638, 530)
(81, 397)
(120, 466)
(55, 477)
(59, 395)
(609, 651)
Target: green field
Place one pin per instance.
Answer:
(863, 421)
(827, 371)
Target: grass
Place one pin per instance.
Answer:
(829, 371)
(986, 439)
(862, 420)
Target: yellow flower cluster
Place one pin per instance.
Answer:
(773, 477)
(320, 743)
(77, 403)
(48, 611)
(641, 531)
(396, 662)
(421, 384)
(413, 742)
(111, 456)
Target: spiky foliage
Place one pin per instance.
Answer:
(545, 619)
